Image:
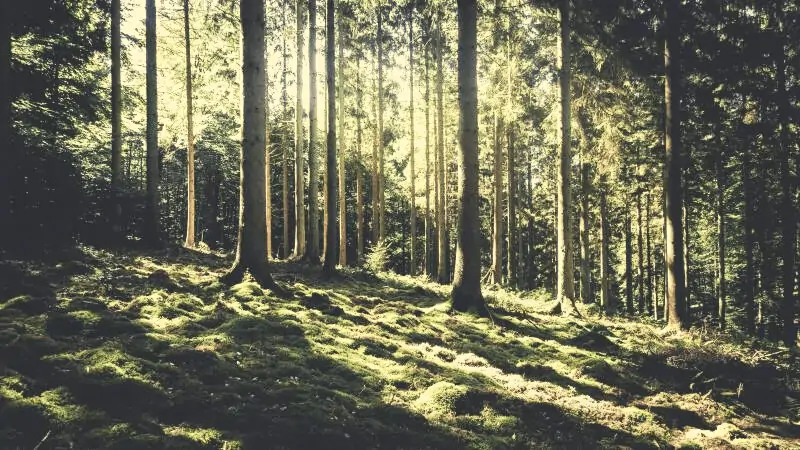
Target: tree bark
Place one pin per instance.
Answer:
(442, 263)
(341, 177)
(673, 242)
(512, 212)
(565, 288)
(651, 301)
(116, 108)
(628, 261)
(299, 166)
(359, 169)
(640, 253)
(428, 220)
(285, 146)
(466, 293)
(586, 272)
(606, 300)
(748, 283)
(190, 200)
(381, 166)
(497, 231)
(152, 225)
(251, 248)
(376, 231)
(721, 283)
(412, 149)
(312, 246)
(332, 249)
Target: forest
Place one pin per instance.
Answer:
(247, 224)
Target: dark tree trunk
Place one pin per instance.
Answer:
(332, 249)
(497, 230)
(606, 300)
(628, 262)
(116, 109)
(359, 169)
(312, 245)
(152, 226)
(190, 201)
(299, 166)
(441, 217)
(586, 272)
(513, 237)
(412, 149)
(640, 253)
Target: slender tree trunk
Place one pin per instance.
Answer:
(512, 212)
(376, 198)
(721, 284)
(497, 231)
(748, 284)
(441, 227)
(412, 148)
(332, 249)
(428, 219)
(7, 152)
(640, 253)
(628, 262)
(673, 244)
(312, 246)
(651, 300)
(284, 145)
(341, 177)
(606, 300)
(586, 272)
(359, 169)
(152, 226)
(381, 167)
(466, 294)
(299, 166)
(251, 248)
(685, 223)
(190, 201)
(565, 287)
(116, 108)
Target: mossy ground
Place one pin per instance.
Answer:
(145, 350)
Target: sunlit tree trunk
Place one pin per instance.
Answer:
(442, 266)
(152, 226)
(721, 283)
(628, 262)
(284, 145)
(512, 211)
(312, 245)
(412, 148)
(497, 230)
(428, 219)
(341, 176)
(332, 249)
(651, 301)
(299, 166)
(606, 300)
(116, 108)
(565, 284)
(190, 201)
(639, 253)
(381, 159)
(359, 169)
(375, 164)
(586, 273)
(251, 248)
(673, 243)
(466, 293)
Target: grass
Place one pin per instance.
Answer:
(138, 351)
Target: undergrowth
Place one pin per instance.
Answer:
(135, 350)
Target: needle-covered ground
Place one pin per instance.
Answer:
(149, 351)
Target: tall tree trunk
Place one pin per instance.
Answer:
(342, 179)
(428, 221)
(412, 148)
(376, 198)
(466, 293)
(586, 271)
(332, 249)
(787, 190)
(442, 271)
(312, 246)
(685, 223)
(152, 226)
(673, 243)
(628, 261)
(381, 163)
(8, 155)
(748, 283)
(651, 300)
(497, 230)
(190, 201)
(251, 248)
(721, 283)
(359, 169)
(116, 108)
(640, 253)
(299, 166)
(284, 143)
(565, 288)
(513, 237)
(606, 300)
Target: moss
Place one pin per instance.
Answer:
(29, 305)
(440, 399)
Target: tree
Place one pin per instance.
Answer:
(411, 148)
(497, 211)
(190, 201)
(381, 159)
(251, 248)
(442, 274)
(342, 178)
(152, 220)
(284, 142)
(466, 293)
(116, 108)
(673, 190)
(332, 249)
(565, 288)
(299, 167)
(312, 249)
(5, 115)
(428, 219)
(359, 168)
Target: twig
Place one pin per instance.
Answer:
(43, 439)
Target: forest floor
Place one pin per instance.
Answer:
(141, 350)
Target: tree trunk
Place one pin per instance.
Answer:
(586, 271)
(412, 148)
(359, 169)
(565, 284)
(651, 300)
(428, 220)
(116, 109)
(748, 284)
(606, 301)
(332, 249)
(299, 166)
(341, 177)
(628, 261)
(640, 253)
(512, 212)
(673, 243)
(152, 226)
(442, 274)
(312, 246)
(497, 230)
(381, 166)
(251, 248)
(466, 293)
(721, 283)
(376, 232)
(190, 201)
(285, 145)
